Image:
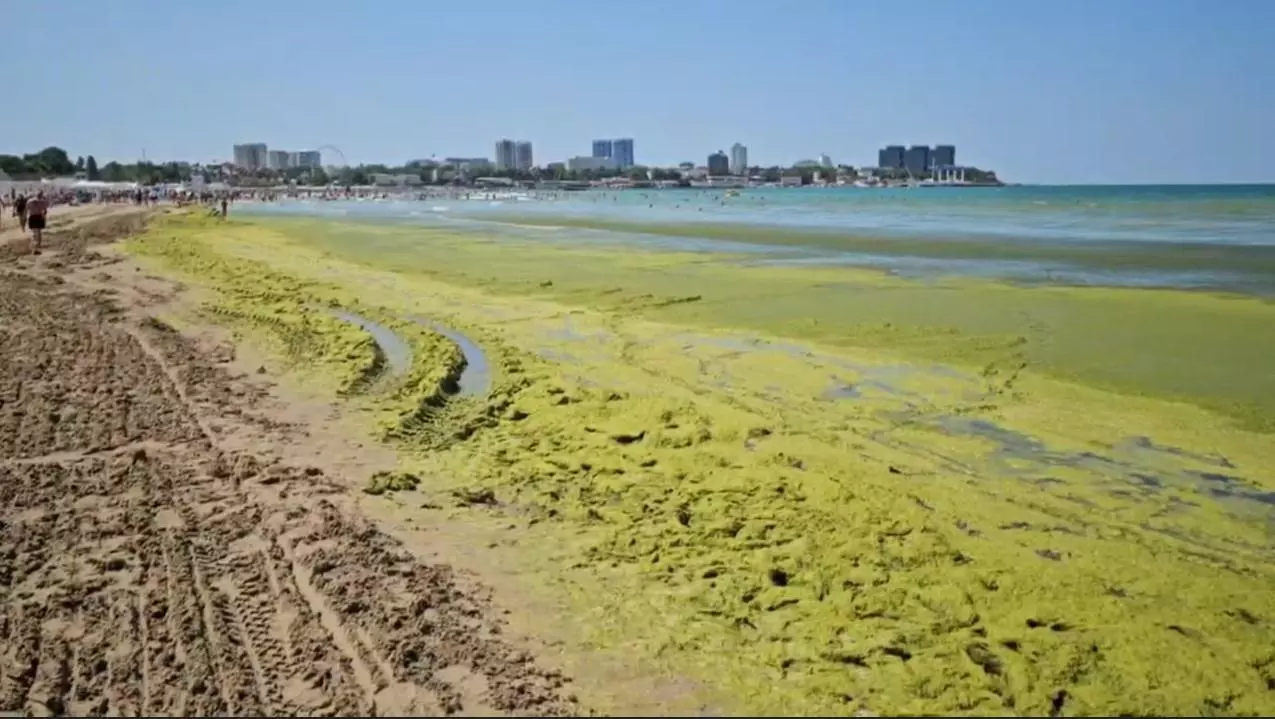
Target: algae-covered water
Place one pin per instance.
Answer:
(819, 489)
(1217, 237)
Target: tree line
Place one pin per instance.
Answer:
(55, 162)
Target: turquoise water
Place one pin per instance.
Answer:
(1216, 237)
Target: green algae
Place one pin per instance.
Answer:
(1211, 350)
(818, 556)
(387, 481)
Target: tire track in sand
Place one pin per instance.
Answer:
(144, 570)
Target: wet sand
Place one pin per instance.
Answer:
(166, 550)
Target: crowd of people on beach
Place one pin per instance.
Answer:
(30, 209)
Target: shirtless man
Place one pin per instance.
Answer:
(37, 218)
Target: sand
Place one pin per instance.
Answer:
(157, 557)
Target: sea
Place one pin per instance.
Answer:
(1211, 237)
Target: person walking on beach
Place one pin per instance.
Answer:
(37, 215)
(20, 211)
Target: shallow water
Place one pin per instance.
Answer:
(397, 352)
(1190, 237)
(475, 379)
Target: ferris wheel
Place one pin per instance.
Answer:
(337, 151)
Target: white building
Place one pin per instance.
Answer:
(825, 161)
(384, 179)
(738, 159)
(252, 156)
(577, 164)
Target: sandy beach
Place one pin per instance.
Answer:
(338, 468)
(162, 553)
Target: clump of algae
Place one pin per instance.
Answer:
(824, 567)
(823, 580)
(275, 308)
(391, 481)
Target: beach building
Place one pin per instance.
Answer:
(278, 159)
(251, 156)
(305, 159)
(718, 163)
(505, 150)
(917, 158)
(522, 155)
(578, 164)
(468, 164)
(943, 156)
(738, 159)
(622, 153)
(385, 179)
(890, 157)
(513, 155)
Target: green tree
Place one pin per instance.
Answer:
(12, 165)
(113, 172)
(170, 172)
(51, 161)
(90, 168)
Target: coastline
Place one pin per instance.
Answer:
(833, 519)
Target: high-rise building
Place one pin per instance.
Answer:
(251, 156)
(278, 159)
(306, 159)
(718, 163)
(917, 158)
(943, 156)
(622, 153)
(825, 161)
(522, 155)
(506, 154)
(891, 157)
(738, 159)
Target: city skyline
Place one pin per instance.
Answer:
(1112, 105)
(259, 156)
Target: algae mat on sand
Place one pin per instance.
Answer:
(835, 524)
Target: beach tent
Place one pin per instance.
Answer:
(100, 185)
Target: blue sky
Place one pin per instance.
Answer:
(1075, 91)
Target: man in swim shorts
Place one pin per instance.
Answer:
(37, 216)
